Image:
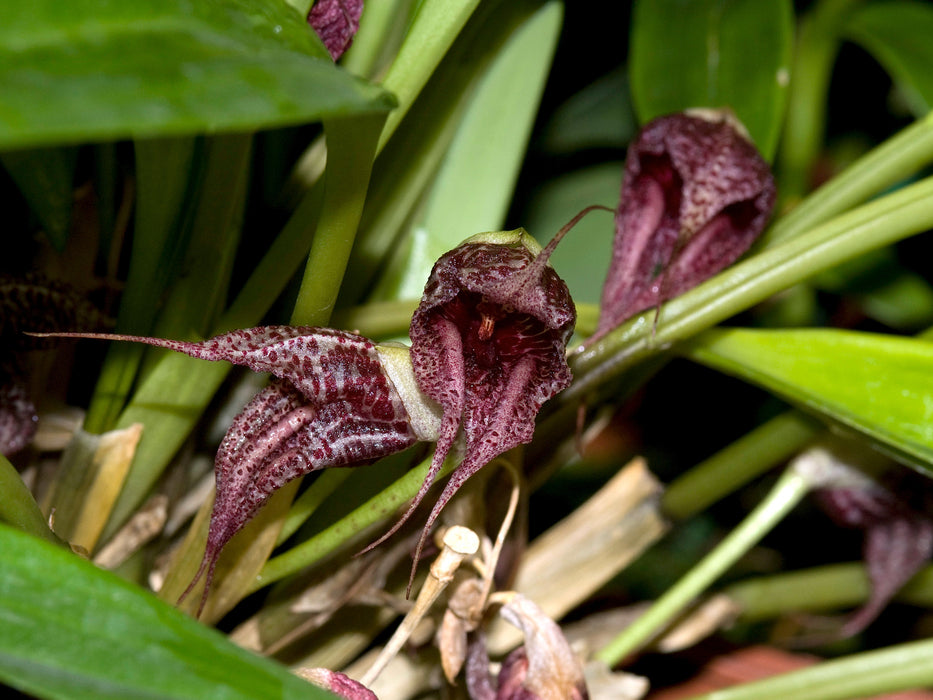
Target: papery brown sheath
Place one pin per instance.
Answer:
(332, 404)
(488, 345)
(695, 196)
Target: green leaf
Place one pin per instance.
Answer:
(601, 115)
(714, 53)
(474, 185)
(879, 385)
(45, 177)
(96, 70)
(73, 631)
(898, 35)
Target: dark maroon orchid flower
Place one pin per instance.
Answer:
(18, 415)
(695, 195)
(336, 22)
(338, 400)
(898, 541)
(488, 345)
(37, 303)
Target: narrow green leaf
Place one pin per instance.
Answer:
(898, 35)
(45, 177)
(17, 505)
(474, 185)
(92, 70)
(878, 385)
(73, 631)
(714, 53)
(412, 156)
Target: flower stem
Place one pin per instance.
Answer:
(817, 46)
(898, 158)
(788, 491)
(735, 465)
(329, 539)
(831, 587)
(895, 668)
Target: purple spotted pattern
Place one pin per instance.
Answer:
(695, 195)
(898, 542)
(332, 405)
(488, 344)
(336, 22)
(35, 303)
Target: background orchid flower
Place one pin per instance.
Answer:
(898, 539)
(40, 304)
(543, 668)
(695, 195)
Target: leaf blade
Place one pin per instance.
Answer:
(726, 54)
(99, 71)
(878, 385)
(99, 620)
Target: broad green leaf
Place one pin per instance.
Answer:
(898, 35)
(474, 185)
(878, 385)
(714, 53)
(102, 69)
(45, 177)
(411, 158)
(73, 631)
(601, 115)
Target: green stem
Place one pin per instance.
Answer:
(821, 588)
(326, 541)
(308, 502)
(788, 491)
(17, 506)
(734, 466)
(898, 158)
(881, 222)
(351, 144)
(378, 38)
(900, 667)
(817, 45)
(435, 26)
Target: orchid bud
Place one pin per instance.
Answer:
(336, 22)
(488, 345)
(338, 400)
(695, 195)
